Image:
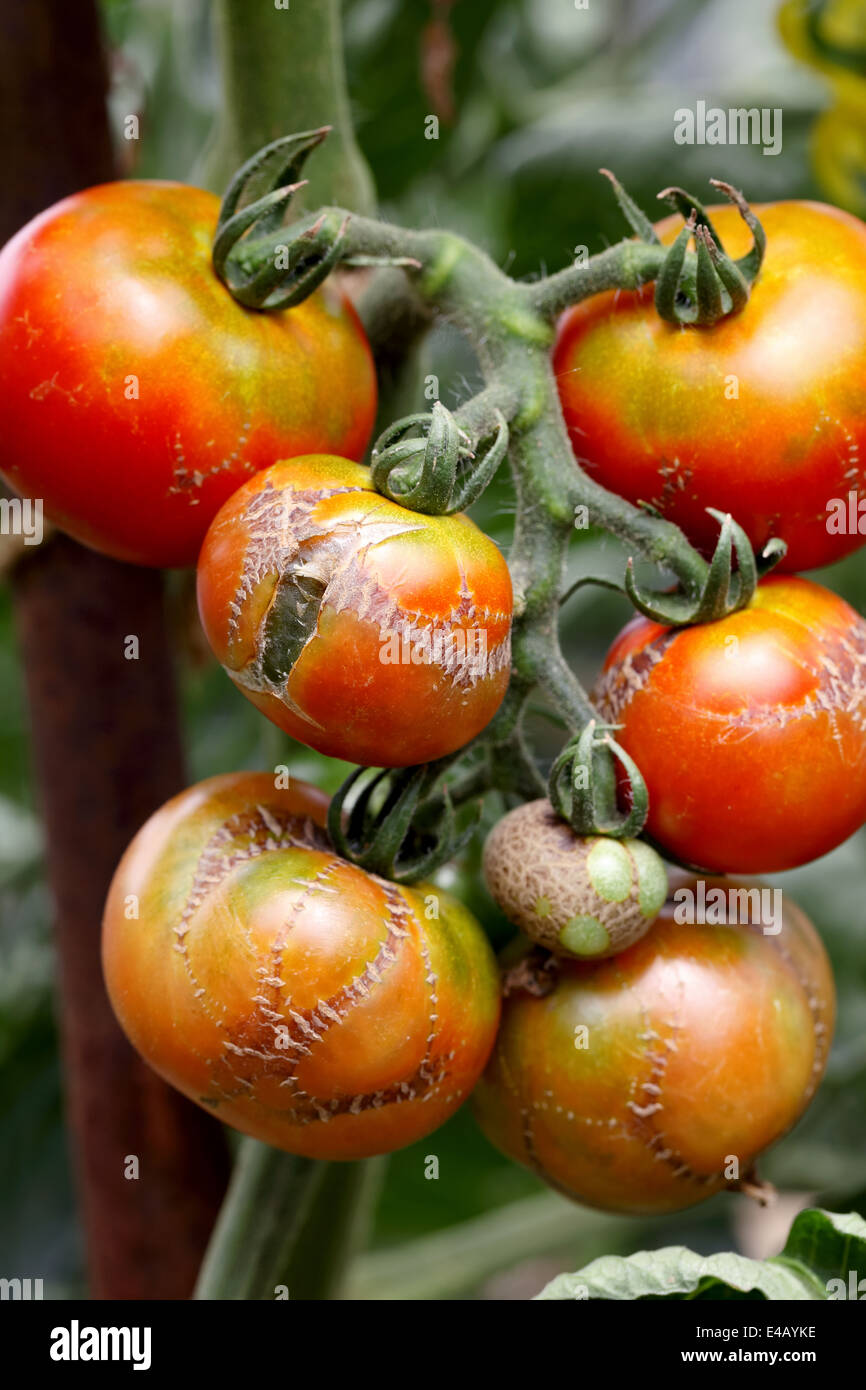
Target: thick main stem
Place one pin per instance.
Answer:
(283, 69)
(251, 1249)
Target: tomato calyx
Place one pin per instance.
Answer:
(701, 287)
(263, 263)
(252, 213)
(399, 825)
(724, 590)
(437, 469)
(709, 286)
(582, 788)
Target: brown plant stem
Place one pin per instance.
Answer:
(106, 745)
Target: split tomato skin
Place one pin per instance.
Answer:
(633, 1084)
(750, 732)
(762, 415)
(301, 1000)
(136, 394)
(367, 631)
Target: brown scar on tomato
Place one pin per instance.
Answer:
(247, 836)
(842, 670)
(332, 573)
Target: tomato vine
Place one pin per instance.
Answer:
(441, 461)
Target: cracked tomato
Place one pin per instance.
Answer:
(367, 631)
(646, 1082)
(750, 732)
(762, 415)
(305, 1002)
(136, 394)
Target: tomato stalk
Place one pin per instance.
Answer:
(259, 45)
(440, 462)
(289, 1226)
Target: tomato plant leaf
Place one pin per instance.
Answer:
(830, 1243)
(822, 1245)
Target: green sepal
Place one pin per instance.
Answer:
(582, 787)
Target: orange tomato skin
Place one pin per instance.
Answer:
(632, 1085)
(407, 649)
(762, 415)
(750, 732)
(301, 1000)
(136, 394)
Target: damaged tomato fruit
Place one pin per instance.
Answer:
(587, 896)
(367, 631)
(307, 1003)
(750, 732)
(137, 394)
(646, 1082)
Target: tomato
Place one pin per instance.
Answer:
(136, 394)
(578, 895)
(367, 631)
(749, 732)
(762, 415)
(303, 1001)
(646, 1082)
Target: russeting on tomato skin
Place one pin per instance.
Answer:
(762, 415)
(303, 1001)
(367, 631)
(750, 732)
(648, 1081)
(136, 394)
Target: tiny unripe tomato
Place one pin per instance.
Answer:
(587, 896)
(136, 394)
(302, 1000)
(649, 1081)
(762, 415)
(367, 631)
(750, 732)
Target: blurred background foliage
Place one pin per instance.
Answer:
(531, 98)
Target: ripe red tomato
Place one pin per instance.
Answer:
(646, 1082)
(305, 1002)
(750, 732)
(763, 415)
(367, 631)
(136, 395)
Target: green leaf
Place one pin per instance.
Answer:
(822, 1245)
(831, 1245)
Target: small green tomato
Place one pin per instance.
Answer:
(577, 896)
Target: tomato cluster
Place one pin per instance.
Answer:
(642, 1058)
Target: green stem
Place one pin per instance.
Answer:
(335, 1230)
(628, 265)
(283, 69)
(260, 1221)
(289, 1226)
